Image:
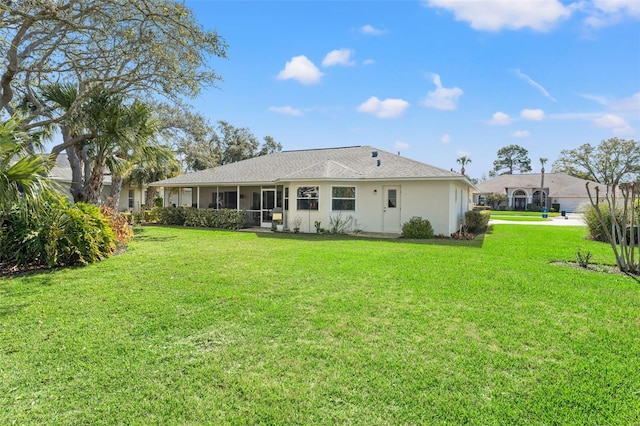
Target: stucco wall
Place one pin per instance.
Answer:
(432, 200)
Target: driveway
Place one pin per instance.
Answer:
(571, 219)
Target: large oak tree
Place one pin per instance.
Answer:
(611, 162)
(125, 49)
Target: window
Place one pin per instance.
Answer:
(286, 198)
(392, 198)
(343, 198)
(307, 198)
(536, 198)
(131, 198)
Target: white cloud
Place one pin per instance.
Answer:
(617, 124)
(610, 120)
(500, 119)
(496, 15)
(389, 108)
(630, 104)
(538, 86)
(532, 114)
(286, 110)
(368, 62)
(608, 12)
(370, 30)
(338, 57)
(446, 138)
(442, 98)
(401, 146)
(302, 69)
(520, 134)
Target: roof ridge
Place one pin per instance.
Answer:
(323, 149)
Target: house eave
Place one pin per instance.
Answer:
(324, 179)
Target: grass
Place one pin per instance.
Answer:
(521, 218)
(206, 327)
(498, 214)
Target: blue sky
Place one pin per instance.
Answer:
(433, 79)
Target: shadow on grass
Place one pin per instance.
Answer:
(140, 233)
(475, 243)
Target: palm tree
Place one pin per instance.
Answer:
(23, 174)
(158, 162)
(462, 161)
(542, 198)
(117, 135)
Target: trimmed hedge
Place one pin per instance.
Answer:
(206, 218)
(477, 220)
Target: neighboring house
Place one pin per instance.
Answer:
(524, 189)
(379, 189)
(131, 198)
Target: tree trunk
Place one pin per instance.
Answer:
(93, 189)
(77, 180)
(116, 189)
(150, 197)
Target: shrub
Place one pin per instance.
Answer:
(477, 220)
(56, 235)
(591, 218)
(209, 218)
(417, 227)
(120, 224)
(339, 224)
(172, 215)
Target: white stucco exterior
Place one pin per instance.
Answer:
(380, 190)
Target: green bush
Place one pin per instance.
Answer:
(56, 235)
(417, 227)
(205, 218)
(172, 215)
(591, 218)
(477, 221)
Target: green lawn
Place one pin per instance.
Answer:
(521, 218)
(210, 327)
(501, 214)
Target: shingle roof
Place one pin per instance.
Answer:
(315, 164)
(61, 171)
(559, 184)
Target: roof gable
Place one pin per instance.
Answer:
(315, 164)
(559, 184)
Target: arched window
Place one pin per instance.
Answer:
(536, 198)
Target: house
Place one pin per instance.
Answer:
(569, 193)
(131, 198)
(378, 189)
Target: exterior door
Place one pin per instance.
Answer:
(391, 209)
(268, 203)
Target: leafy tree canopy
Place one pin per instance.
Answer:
(132, 47)
(510, 158)
(611, 162)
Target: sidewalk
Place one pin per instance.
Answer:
(572, 219)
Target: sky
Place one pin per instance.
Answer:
(434, 80)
